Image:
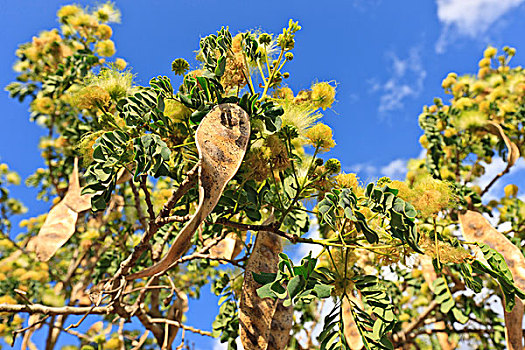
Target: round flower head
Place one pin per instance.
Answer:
(320, 136)
(323, 95)
(490, 52)
(91, 97)
(511, 190)
(43, 105)
(105, 48)
(107, 13)
(67, 11)
(347, 181)
(120, 64)
(104, 31)
(180, 66)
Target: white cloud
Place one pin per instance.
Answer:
(470, 18)
(396, 170)
(406, 81)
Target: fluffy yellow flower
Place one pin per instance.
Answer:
(449, 80)
(490, 52)
(104, 32)
(68, 11)
(320, 136)
(463, 102)
(511, 190)
(43, 105)
(120, 63)
(91, 97)
(323, 95)
(7, 299)
(347, 180)
(105, 48)
(484, 62)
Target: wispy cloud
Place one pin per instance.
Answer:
(406, 80)
(396, 170)
(470, 18)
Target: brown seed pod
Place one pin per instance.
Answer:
(60, 223)
(265, 323)
(222, 138)
(352, 335)
(477, 229)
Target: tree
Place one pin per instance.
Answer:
(208, 180)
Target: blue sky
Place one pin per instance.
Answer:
(387, 57)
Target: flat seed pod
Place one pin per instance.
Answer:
(513, 150)
(61, 220)
(222, 138)
(352, 335)
(476, 228)
(73, 199)
(265, 323)
(57, 229)
(225, 248)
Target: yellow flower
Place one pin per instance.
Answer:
(449, 132)
(7, 299)
(105, 48)
(68, 11)
(463, 102)
(278, 153)
(120, 64)
(490, 52)
(484, 62)
(82, 20)
(107, 13)
(470, 119)
(423, 141)
(91, 97)
(320, 136)
(347, 180)
(479, 87)
(323, 95)
(43, 105)
(511, 190)
(104, 32)
(449, 80)
(13, 178)
(284, 93)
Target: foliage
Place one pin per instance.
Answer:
(137, 148)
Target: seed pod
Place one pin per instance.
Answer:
(265, 323)
(476, 228)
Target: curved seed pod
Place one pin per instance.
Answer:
(229, 247)
(476, 228)
(222, 139)
(61, 220)
(353, 338)
(513, 150)
(429, 274)
(265, 323)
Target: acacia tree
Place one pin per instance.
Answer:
(207, 181)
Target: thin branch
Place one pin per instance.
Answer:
(51, 310)
(138, 207)
(180, 325)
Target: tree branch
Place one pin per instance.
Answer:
(51, 310)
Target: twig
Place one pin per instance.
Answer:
(138, 344)
(180, 325)
(52, 310)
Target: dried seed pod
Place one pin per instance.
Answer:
(513, 150)
(352, 335)
(222, 138)
(264, 323)
(60, 223)
(477, 229)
